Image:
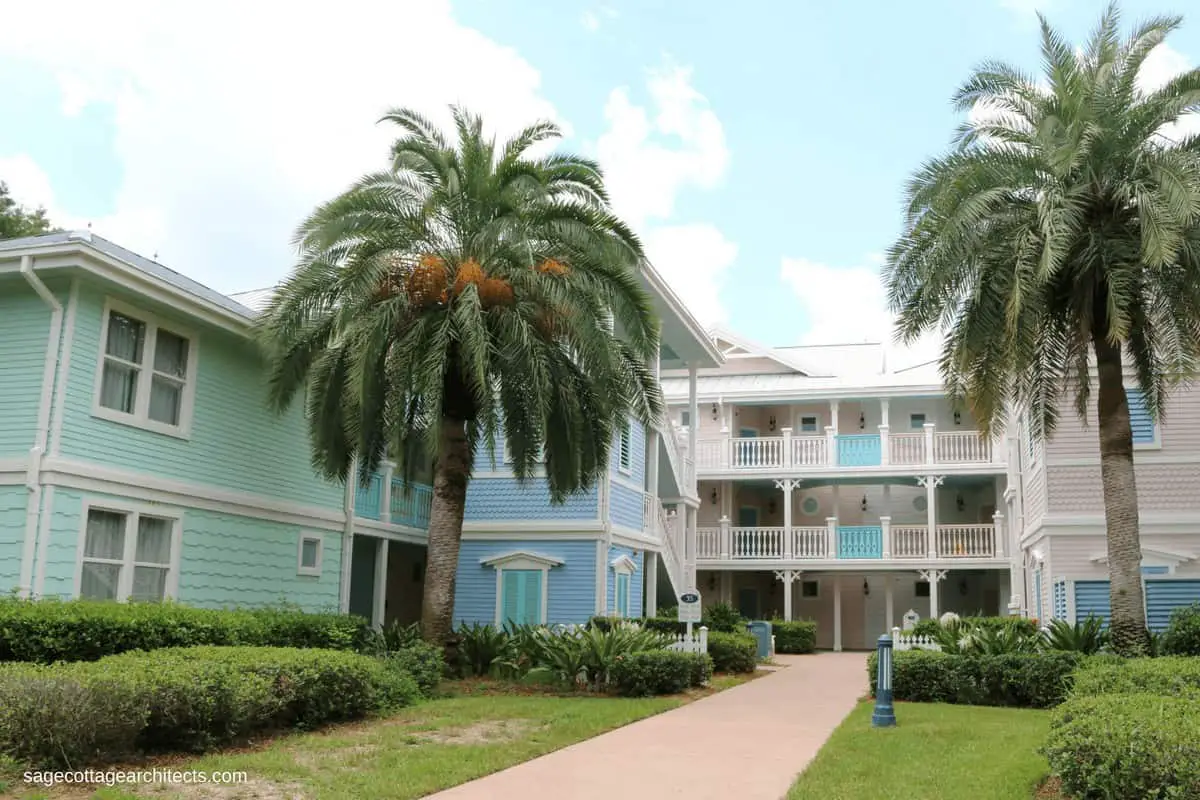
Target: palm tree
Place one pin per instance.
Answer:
(468, 291)
(1064, 225)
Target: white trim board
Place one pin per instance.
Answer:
(526, 526)
(64, 371)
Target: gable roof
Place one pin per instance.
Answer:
(733, 346)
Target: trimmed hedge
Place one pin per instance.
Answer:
(1020, 680)
(798, 636)
(1127, 745)
(655, 672)
(931, 627)
(1169, 676)
(46, 631)
(424, 661)
(72, 714)
(1182, 636)
(733, 652)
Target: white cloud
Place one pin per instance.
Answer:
(847, 305)
(650, 156)
(1164, 63)
(229, 134)
(590, 21)
(1026, 10)
(693, 259)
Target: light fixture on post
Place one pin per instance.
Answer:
(959, 502)
(771, 506)
(862, 421)
(712, 581)
(958, 418)
(863, 504)
(962, 587)
(714, 496)
(715, 412)
(866, 588)
(771, 423)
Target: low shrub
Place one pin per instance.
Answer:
(733, 652)
(423, 661)
(723, 618)
(656, 672)
(1126, 745)
(1182, 636)
(932, 627)
(798, 636)
(72, 714)
(46, 631)
(1169, 676)
(1021, 680)
(1088, 637)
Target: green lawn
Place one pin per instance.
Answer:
(936, 751)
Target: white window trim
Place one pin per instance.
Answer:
(925, 420)
(522, 560)
(804, 501)
(131, 511)
(625, 468)
(816, 596)
(622, 565)
(816, 418)
(309, 536)
(140, 416)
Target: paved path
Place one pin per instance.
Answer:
(746, 743)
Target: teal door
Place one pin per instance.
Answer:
(748, 603)
(747, 517)
(746, 455)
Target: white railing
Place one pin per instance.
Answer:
(670, 437)
(810, 542)
(962, 447)
(756, 452)
(906, 448)
(966, 541)
(756, 542)
(649, 502)
(712, 453)
(910, 541)
(708, 543)
(672, 548)
(902, 640)
(810, 451)
(689, 476)
(696, 643)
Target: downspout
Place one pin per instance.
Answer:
(33, 473)
(348, 500)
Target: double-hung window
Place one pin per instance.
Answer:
(146, 375)
(127, 555)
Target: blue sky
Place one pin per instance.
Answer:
(759, 147)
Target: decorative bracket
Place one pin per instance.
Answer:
(788, 576)
(932, 575)
(924, 481)
(788, 484)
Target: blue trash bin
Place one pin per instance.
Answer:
(761, 631)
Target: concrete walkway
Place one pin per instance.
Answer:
(747, 743)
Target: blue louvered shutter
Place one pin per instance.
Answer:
(531, 597)
(1139, 418)
(511, 601)
(622, 594)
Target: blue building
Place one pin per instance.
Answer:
(138, 459)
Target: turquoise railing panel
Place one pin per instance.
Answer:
(368, 498)
(411, 503)
(859, 450)
(860, 541)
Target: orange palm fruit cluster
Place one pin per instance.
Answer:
(552, 267)
(426, 281)
(495, 292)
(468, 272)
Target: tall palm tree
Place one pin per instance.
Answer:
(470, 290)
(1061, 234)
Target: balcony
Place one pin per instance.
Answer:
(884, 541)
(833, 451)
(406, 504)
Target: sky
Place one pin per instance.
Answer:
(759, 148)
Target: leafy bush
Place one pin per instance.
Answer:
(799, 636)
(1127, 745)
(423, 661)
(46, 631)
(394, 636)
(1087, 637)
(480, 646)
(932, 627)
(723, 618)
(1168, 676)
(1182, 636)
(1023, 680)
(656, 672)
(733, 652)
(72, 714)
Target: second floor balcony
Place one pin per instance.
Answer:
(833, 451)
(394, 501)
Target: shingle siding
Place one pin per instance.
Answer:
(506, 499)
(12, 535)
(572, 586)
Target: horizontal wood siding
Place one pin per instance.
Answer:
(627, 506)
(24, 334)
(12, 535)
(572, 586)
(506, 499)
(1034, 496)
(235, 442)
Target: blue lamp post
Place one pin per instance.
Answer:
(884, 716)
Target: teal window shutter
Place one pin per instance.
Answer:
(521, 596)
(531, 599)
(622, 594)
(510, 607)
(1139, 418)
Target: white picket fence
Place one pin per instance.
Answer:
(902, 640)
(696, 643)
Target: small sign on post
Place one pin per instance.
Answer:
(689, 609)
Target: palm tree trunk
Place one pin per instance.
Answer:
(1127, 625)
(445, 532)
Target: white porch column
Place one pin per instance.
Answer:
(833, 416)
(998, 533)
(690, 546)
(381, 571)
(349, 496)
(931, 482)
(726, 548)
(693, 412)
(831, 532)
(787, 485)
(727, 499)
(885, 529)
(787, 447)
(837, 613)
(650, 565)
(934, 576)
(787, 577)
(889, 600)
(885, 450)
(385, 500)
(929, 439)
